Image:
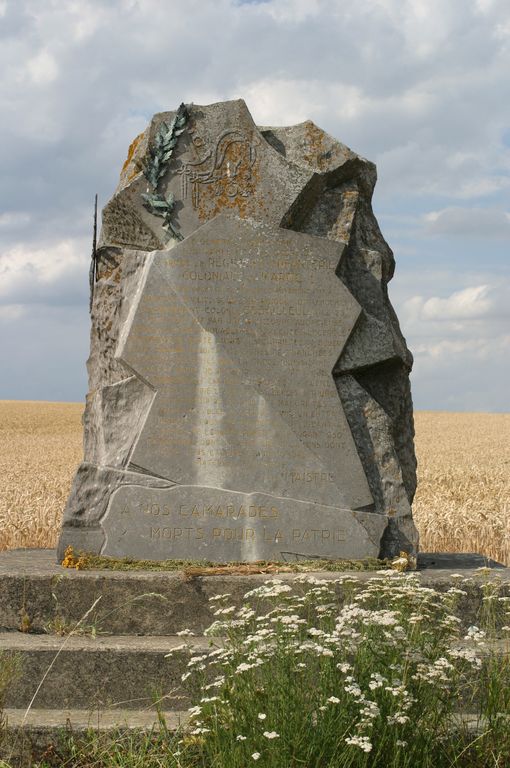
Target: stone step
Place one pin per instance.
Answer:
(82, 720)
(41, 596)
(31, 737)
(97, 673)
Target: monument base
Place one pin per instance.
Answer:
(215, 525)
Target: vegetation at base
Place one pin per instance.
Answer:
(297, 680)
(10, 667)
(122, 748)
(86, 561)
(382, 681)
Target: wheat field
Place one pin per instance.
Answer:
(462, 503)
(463, 499)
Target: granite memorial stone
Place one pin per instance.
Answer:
(249, 384)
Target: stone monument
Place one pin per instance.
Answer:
(249, 384)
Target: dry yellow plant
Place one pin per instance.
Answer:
(40, 449)
(462, 503)
(463, 499)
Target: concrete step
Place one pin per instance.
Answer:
(41, 596)
(83, 720)
(40, 734)
(101, 672)
(98, 673)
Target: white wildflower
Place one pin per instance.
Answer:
(475, 634)
(243, 667)
(466, 654)
(182, 647)
(363, 742)
(376, 681)
(398, 718)
(354, 690)
(271, 735)
(269, 589)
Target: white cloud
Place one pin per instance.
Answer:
(294, 10)
(54, 274)
(11, 312)
(468, 222)
(12, 219)
(479, 349)
(42, 68)
(469, 374)
(274, 101)
(460, 341)
(467, 304)
(86, 19)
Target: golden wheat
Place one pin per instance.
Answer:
(463, 499)
(462, 503)
(40, 448)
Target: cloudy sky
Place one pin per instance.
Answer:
(421, 87)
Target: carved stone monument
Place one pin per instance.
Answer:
(249, 383)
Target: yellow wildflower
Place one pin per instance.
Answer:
(404, 562)
(74, 561)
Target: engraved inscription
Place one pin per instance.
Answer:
(214, 524)
(241, 363)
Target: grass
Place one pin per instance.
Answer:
(89, 562)
(462, 503)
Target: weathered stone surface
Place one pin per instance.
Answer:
(248, 359)
(214, 524)
(92, 487)
(240, 353)
(221, 163)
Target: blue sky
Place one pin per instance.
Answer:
(420, 87)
